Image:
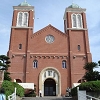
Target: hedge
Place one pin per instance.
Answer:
(90, 86)
(9, 88)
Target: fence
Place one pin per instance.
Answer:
(12, 96)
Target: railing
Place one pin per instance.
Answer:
(82, 95)
(12, 96)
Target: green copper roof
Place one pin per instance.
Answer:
(74, 6)
(24, 4)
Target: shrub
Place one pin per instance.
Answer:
(10, 86)
(31, 93)
(74, 91)
(91, 86)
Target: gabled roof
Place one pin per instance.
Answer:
(49, 27)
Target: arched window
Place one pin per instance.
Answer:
(25, 22)
(35, 63)
(63, 64)
(78, 47)
(76, 21)
(20, 46)
(20, 15)
(79, 21)
(22, 19)
(18, 81)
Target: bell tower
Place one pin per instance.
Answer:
(78, 43)
(21, 30)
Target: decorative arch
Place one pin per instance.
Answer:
(35, 64)
(22, 19)
(64, 65)
(44, 75)
(18, 81)
(76, 21)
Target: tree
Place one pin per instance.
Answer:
(4, 65)
(90, 66)
(91, 75)
(99, 62)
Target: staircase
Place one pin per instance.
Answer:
(47, 98)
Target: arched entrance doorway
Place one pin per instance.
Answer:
(50, 80)
(49, 87)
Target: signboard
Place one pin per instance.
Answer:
(27, 85)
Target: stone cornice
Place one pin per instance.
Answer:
(75, 10)
(21, 27)
(77, 29)
(26, 8)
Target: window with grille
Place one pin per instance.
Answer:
(63, 64)
(77, 21)
(35, 64)
(22, 19)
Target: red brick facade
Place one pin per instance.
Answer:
(49, 56)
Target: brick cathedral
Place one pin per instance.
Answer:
(51, 59)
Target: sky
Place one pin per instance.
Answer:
(52, 12)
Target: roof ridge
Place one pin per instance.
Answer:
(45, 28)
(48, 27)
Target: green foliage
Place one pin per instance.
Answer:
(90, 66)
(31, 93)
(74, 91)
(7, 76)
(10, 86)
(20, 89)
(4, 62)
(92, 86)
(4, 65)
(91, 75)
(99, 62)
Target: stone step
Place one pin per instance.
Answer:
(47, 98)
